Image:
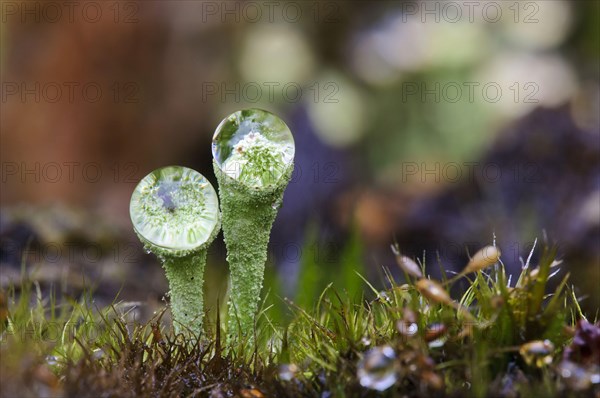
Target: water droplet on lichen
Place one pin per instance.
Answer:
(253, 147)
(377, 370)
(174, 208)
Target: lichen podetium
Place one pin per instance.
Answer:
(253, 154)
(175, 213)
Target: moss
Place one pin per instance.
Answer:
(321, 352)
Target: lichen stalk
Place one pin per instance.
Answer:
(247, 217)
(185, 273)
(175, 214)
(186, 279)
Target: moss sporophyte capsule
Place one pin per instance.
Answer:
(175, 213)
(253, 159)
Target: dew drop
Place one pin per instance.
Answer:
(537, 352)
(437, 343)
(407, 328)
(253, 147)
(98, 353)
(383, 297)
(288, 371)
(51, 360)
(377, 370)
(174, 208)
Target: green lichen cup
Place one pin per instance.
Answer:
(175, 213)
(253, 159)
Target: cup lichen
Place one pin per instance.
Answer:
(175, 213)
(253, 154)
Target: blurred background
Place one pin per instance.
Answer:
(443, 126)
